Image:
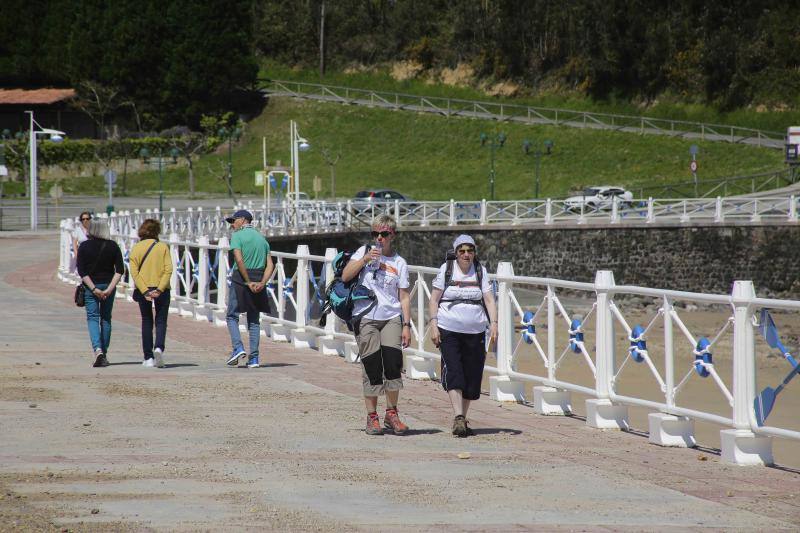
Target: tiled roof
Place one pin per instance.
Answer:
(35, 96)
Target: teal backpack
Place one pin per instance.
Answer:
(340, 296)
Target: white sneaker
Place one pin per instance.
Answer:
(159, 357)
(148, 363)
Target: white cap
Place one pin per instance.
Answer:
(464, 239)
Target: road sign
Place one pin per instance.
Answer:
(693, 166)
(260, 176)
(111, 177)
(693, 150)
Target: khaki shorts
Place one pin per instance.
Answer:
(381, 352)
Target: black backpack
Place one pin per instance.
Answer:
(340, 296)
(450, 258)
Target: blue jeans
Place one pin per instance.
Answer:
(253, 325)
(161, 305)
(98, 317)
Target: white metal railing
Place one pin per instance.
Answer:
(322, 217)
(201, 280)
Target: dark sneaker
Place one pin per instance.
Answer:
(253, 362)
(373, 425)
(100, 361)
(469, 431)
(392, 421)
(233, 360)
(460, 426)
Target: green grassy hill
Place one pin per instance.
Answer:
(435, 158)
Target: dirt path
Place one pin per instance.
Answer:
(202, 446)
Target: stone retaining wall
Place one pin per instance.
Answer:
(698, 259)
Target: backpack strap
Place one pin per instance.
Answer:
(450, 283)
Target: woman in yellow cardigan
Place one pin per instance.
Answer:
(151, 268)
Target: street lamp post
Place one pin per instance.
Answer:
(297, 144)
(55, 136)
(144, 153)
(494, 143)
(527, 146)
(230, 133)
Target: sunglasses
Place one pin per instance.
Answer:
(466, 250)
(84, 218)
(383, 234)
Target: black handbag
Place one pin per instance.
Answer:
(80, 295)
(137, 294)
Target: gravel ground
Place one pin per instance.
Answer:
(200, 446)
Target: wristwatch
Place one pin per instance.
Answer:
(406, 324)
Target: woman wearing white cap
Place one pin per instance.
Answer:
(461, 309)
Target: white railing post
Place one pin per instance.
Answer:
(397, 212)
(651, 217)
(601, 412)
(483, 212)
(549, 400)
(418, 367)
(548, 212)
(329, 344)
(615, 210)
(202, 308)
(756, 216)
(501, 387)
(740, 445)
(174, 281)
(301, 338)
(666, 429)
(452, 219)
(669, 353)
(222, 275)
(792, 208)
(718, 216)
(65, 245)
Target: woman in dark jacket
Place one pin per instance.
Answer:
(100, 268)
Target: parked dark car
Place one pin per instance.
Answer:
(381, 196)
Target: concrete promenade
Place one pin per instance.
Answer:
(200, 446)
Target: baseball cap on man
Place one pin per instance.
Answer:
(464, 239)
(241, 213)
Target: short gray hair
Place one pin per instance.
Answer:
(384, 220)
(98, 229)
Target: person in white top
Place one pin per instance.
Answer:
(461, 308)
(78, 236)
(382, 325)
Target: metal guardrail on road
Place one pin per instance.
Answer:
(523, 114)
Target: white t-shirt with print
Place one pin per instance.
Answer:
(385, 282)
(462, 317)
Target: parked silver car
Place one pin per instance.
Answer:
(599, 197)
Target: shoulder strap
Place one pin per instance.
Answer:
(478, 272)
(147, 253)
(448, 272)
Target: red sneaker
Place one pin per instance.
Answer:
(392, 421)
(373, 425)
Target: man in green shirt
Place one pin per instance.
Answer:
(247, 293)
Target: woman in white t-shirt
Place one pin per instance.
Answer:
(382, 325)
(79, 234)
(460, 310)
